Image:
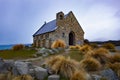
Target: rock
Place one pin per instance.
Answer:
(109, 74)
(9, 64)
(32, 72)
(3, 66)
(40, 73)
(51, 51)
(30, 66)
(21, 67)
(55, 50)
(95, 77)
(54, 77)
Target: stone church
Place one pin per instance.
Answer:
(65, 27)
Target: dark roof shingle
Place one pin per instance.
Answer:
(47, 27)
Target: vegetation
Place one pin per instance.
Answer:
(64, 66)
(90, 64)
(18, 47)
(94, 45)
(115, 58)
(101, 54)
(19, 54)
(85, 48)
(23, 77)
(115, 67)
(58, 43)
(108, 46)
(79, 75)
(76, 55)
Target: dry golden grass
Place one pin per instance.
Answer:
(85, 48)
(90, 64)
(58, 43)
(108, 46)
(94, 45)
(6, 76)
(79, 75)
(61, 65)
(115, 67)
(75, 47)
(101, 54)
(23, 77)
(18, 47)
(115, 58)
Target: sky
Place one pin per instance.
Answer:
(20, 19)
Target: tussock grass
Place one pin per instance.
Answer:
(90, 64)
(62, 65)
(85, 48)
(58, 43)
(108, 46)
(23, 77)
(115, 67)
(79, 75)
(18, 47)
(101, 54)
(76, 47)
(94, 45)
(115, 58)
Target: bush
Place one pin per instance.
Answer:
(61, 65)
(94, 45)
(115, 58)
(23, 77)
(101, 54)
(18, 47)
(90, 64)
(75, 47)
(85, 48)
(79, 75)
(108, 46)
(115, 67)
(58, 43)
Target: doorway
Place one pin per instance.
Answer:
(71, 38)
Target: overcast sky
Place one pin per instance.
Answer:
(20, 19)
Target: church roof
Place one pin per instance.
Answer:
(48, 27)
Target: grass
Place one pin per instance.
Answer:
(76, 55)
(62, 65)
(20, 54)
(90, 64)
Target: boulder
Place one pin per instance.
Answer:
(54, 77)
(95, 77)
(3, 66)
(109, 74)
(21, 67)
(55, 50)
(40, 73)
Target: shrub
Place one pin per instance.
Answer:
(79, 75)
(101, 54)
(63, 66)
(108, 46)
(90, 64)
(72, 47)
(85, 48)
(18, 47)
(75, 47)
(115, 58)
(94, 45)
(115, 67)
(23, 77)
(58, 43)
